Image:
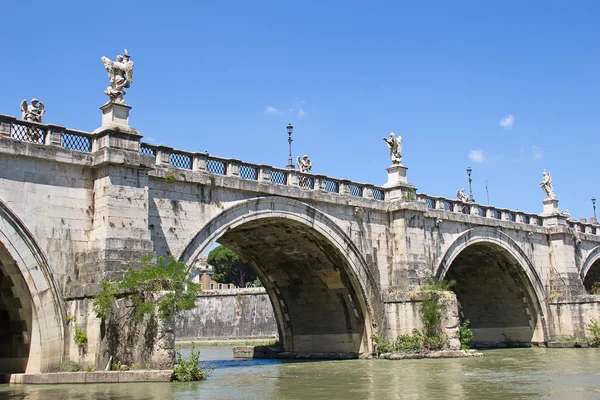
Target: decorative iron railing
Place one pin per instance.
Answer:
(25, 131)
(146, 149)
(278, 177)
(180, 160)
(78, 141)
(248, 172)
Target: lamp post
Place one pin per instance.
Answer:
(594, 205)
(290, 129)
(469, 170)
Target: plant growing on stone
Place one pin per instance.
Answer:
(80, 336)
(382, 345)
(594, 329)
(160, 286)
(409, 343)
(188, 369)
(465, 334)
(70, 366)
(432, 309)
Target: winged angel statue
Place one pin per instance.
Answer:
(32, 112)
(120, 73)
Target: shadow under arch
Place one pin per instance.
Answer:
(324, 296)
(35, 299)
(499, 290)
(590, 271)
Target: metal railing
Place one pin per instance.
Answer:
(78, 141)
(484, 211)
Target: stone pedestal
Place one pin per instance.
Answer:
(550, 207)
(116, 117)
(398, 185)
(396, 176)
(115, 114)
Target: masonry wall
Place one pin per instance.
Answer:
(229, 314)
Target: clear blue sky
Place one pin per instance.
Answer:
(227, 77)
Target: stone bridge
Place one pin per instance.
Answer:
(340, 260)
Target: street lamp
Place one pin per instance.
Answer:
(594, 205)
(469, 170)
(290, 129)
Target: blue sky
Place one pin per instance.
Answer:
(226, 77)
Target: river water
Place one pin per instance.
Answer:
(500, 374)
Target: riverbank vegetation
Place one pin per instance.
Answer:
(593, 329)
(432, 336)
(188, 368)
(160, 288)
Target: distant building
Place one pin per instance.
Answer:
(202, 273)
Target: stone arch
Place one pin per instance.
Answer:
(590, 271)
(481, 242)
(35, 297)
(346, 276)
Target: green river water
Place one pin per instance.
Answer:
(500, 374)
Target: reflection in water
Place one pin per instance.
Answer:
(500, 374)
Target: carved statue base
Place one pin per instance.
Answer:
(400, 188)
(116, 117)
(396, 176)
(550, 207)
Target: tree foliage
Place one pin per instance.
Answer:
(228, 267)
(160, 286)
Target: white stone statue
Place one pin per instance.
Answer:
(462, 196)
(33, 112)
(395, 145)
(120, 73)
(304, 164)
(546, 185)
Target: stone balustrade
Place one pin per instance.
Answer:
(502, 214)
(259, 172)
(48, 134)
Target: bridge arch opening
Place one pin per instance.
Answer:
(31, 314)
(16, 316)
(591, 281)
(495, 294)
(308, 269)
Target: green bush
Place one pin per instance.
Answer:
(160, 286)
(594, 329)
(80, 336)
(382, 345)
(70, 366)
(432, 310)
(409, 343)
(465, 334)
(188, 368)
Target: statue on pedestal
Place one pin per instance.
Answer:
(546, 185)
(33, 112)
(120, 73)
(462, 196)
(395, 145)
(304, 164)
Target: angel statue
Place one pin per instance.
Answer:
(120, 73)
(33, 112)
(395, 145)
(546, 185)
(462, 196)
(304, 164)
